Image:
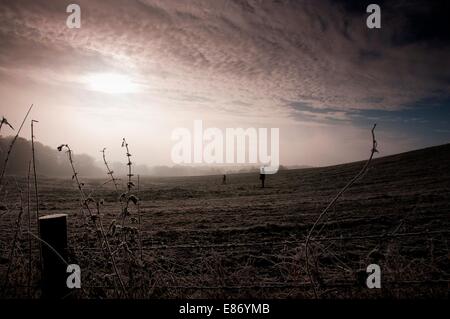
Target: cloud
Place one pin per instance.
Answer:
(257, 52)
(310, 67)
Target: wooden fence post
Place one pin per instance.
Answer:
(53, 232)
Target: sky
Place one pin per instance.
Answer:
(141, 68)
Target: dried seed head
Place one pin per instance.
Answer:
(61, 147)
(5, 121)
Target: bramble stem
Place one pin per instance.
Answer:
(339, 194)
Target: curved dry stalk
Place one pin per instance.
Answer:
(50, 247)
(54, 251)
(11, 145)
(93, 217)
(339, 194)
(36, 193)
(109, 171)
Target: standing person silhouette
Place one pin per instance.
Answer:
(262, 176)
(224, 179)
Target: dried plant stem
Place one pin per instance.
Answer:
(11, 145)
(36, 193)
(123, 208)
(94, 218)
(109, 171)
(29, 231)
(54, 251)
(113, 179)
(129, 183)
(129, 164)
(51, 248)
(339, 194)
(127, 197)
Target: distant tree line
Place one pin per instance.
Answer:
(49, 161)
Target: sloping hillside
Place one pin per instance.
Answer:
(204, 239)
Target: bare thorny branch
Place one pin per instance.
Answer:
(109, 171)
(331, 204)
(96, 218)
(129, 164)
(128, 197)
(124, 201)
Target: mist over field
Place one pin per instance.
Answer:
(52, 163)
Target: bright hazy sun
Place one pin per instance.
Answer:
(111, 83)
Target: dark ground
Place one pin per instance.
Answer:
(202, 239)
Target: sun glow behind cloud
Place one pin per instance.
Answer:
(309, 67)
(111, 83)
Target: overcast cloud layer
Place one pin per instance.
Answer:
(312, 67)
